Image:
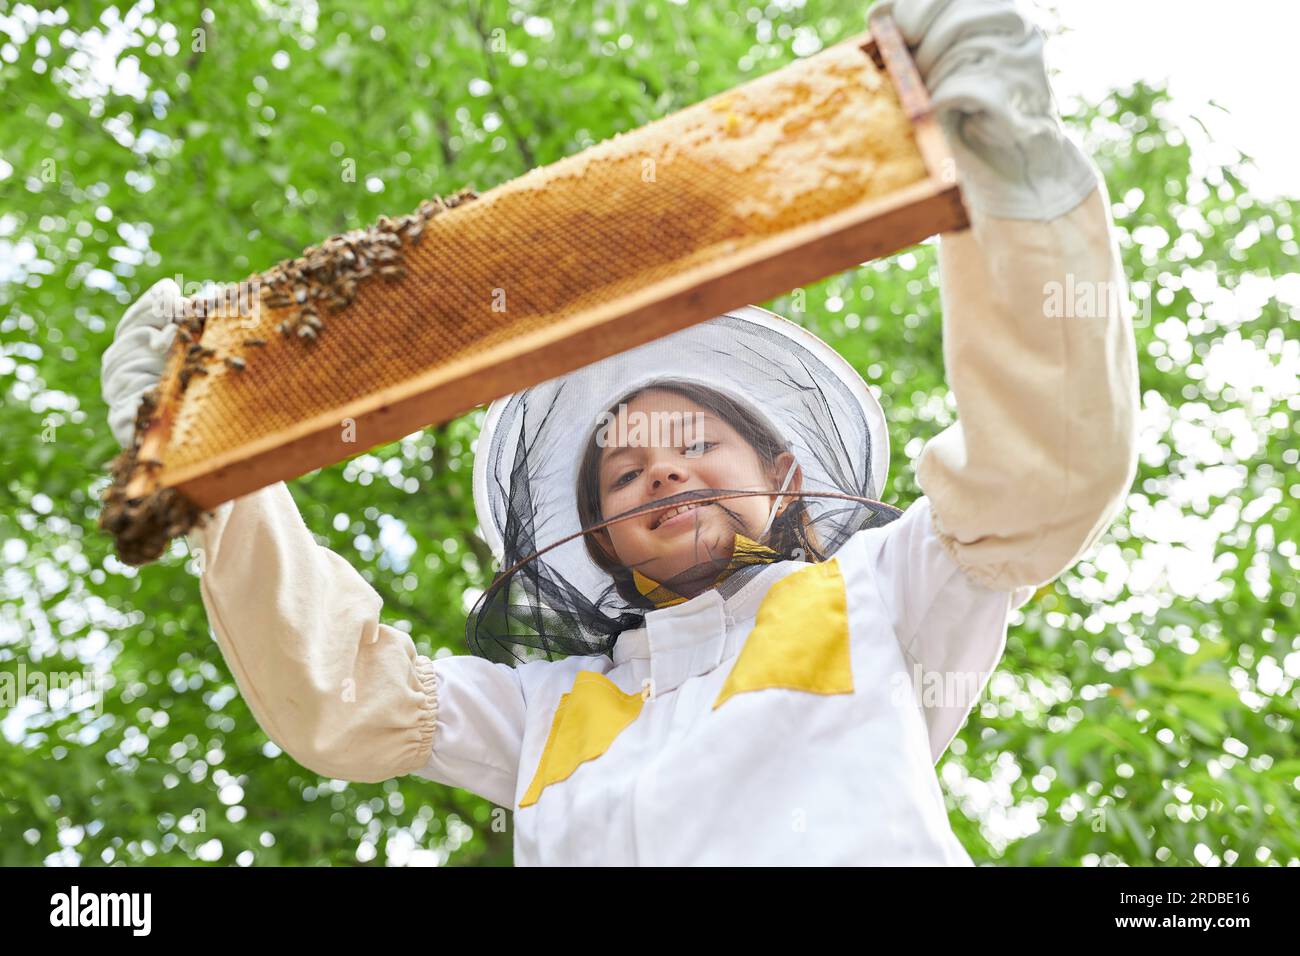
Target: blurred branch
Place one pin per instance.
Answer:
(494, 78)
(444, 139)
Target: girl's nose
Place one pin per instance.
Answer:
(665, 471)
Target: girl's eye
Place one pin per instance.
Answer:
(694, 450)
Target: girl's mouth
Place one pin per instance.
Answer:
(674, 516)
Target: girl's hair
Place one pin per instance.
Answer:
(792, 534)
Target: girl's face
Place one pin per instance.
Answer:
(662, 444)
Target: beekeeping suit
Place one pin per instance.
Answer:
(794, 713)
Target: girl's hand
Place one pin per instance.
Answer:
(982, 62)
(133, 363)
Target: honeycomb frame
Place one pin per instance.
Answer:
(176, 470)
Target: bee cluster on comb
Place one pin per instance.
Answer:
(326, 276)
(144, 518)
(143, 526)
(191, 318)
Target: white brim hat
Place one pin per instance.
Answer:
(531, 445)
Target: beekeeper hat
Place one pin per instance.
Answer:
(530, 448)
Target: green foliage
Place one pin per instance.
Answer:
(1142, 714)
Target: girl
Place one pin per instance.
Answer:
(764, 662)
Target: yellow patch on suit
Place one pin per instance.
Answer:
(800, 639)
(586, 721)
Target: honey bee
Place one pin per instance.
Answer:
(188, 372)
(255, 343)
(306, 332)
(234, 362)
(392, 273)
(461, 196)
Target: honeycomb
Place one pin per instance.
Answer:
(788, 149)
(784, 150)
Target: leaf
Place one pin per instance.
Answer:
(1212, 686)
(1135, 831)
(1211, 649)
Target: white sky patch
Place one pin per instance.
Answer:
(1239, 56)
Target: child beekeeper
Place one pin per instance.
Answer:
(710, 643)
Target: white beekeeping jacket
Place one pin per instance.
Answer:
(798, 721)
(778, 726)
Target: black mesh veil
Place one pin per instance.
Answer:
(764, 380)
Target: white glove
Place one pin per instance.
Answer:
(982, 62)
(133, 363)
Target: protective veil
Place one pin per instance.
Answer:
(803, 397)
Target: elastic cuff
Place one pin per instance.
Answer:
(988, 577)
(428, 720)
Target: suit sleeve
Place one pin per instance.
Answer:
(951, 629)
(1040, 356)
(1041, 359)
(342, 693)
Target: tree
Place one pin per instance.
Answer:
(1141, 714)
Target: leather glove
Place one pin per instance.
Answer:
(982, 62)
(133, 363)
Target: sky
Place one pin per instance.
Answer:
(1238, 55)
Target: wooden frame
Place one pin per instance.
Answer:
(848, 238)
